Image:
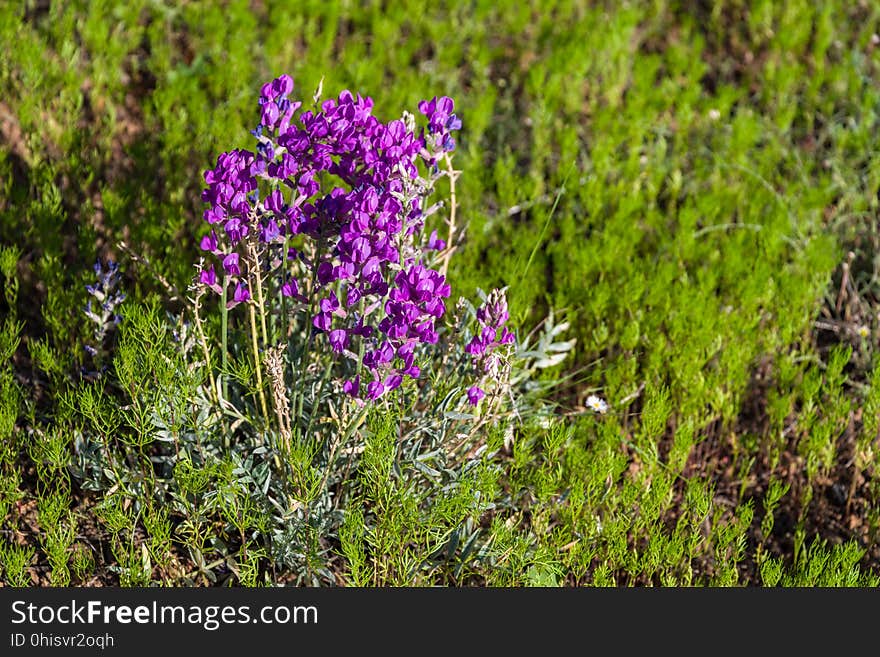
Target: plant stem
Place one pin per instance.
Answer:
(224, 336)
(304, 361)
(255, 266)
(215, 392)
(259, 285)
(257, 363)
(452, 174)
(285, 327)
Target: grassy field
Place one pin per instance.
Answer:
(687, 192)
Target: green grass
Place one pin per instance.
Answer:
(683, 185)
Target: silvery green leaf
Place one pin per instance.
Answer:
(562, 346)
(425, 469)
(430, 456)
(454, 415)
(277, 505)
(559, 328)
(550, 361)
(452, 545)
(449, 398)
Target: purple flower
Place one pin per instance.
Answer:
(235, 229)
(214, 215)
(338, 339)
(441, 121)
(322, 321)
(275, 202)
(209, 242)
(207, 276)
(492, 333)
(393, 381)
(290, 288)
(269, 231)
(325, 273)
(352, 387)
(474, 395)
(330, 304)
(375, 389)
(280, 86)
(434, 243)
(276, 108)
(240, 295)
(230, 264)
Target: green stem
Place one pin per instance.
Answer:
(224, 337)
(257, 364)
(255, 262)
(215, 392)
(259, 286)
(304, 361)
(282, 300)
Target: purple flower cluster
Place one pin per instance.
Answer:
(104, 291)
(441, 123)
(491, 333)
(343, 188)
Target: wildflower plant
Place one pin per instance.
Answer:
(334, 310)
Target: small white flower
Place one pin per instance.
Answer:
(864, 331)
(597, 404)
(714, 114)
